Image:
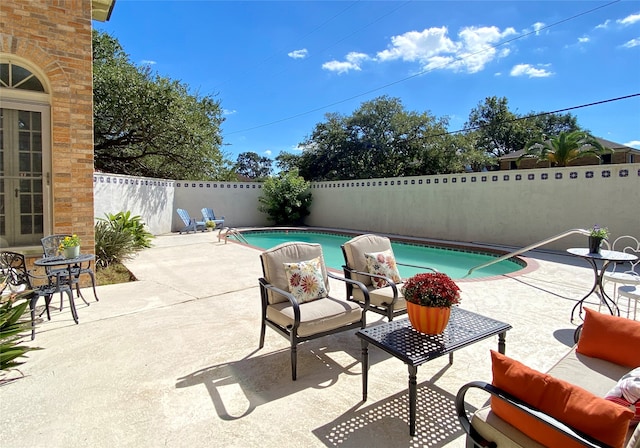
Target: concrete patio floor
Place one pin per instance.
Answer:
(172, 360)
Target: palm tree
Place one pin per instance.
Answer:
(564, 148)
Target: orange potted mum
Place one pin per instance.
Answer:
(429, 299)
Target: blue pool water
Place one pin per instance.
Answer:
(454, 262)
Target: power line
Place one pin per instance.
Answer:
(455, 60)
(541, 114)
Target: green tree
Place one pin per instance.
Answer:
(286, 198)
(470, 156)
(380, 139)
(250, 165)
(149, 125)
(564, 148)
(498, 131)
(286, 161)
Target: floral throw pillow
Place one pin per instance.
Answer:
(382, 263)
(305, 280)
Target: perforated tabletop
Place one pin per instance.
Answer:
(399, 339)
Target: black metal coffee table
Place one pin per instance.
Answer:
(413, 348)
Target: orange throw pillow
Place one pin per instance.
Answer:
(601, 419)
(612, 338)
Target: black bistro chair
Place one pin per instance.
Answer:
(14, 268)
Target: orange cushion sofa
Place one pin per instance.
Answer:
(566, 406)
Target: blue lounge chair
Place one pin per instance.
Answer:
(190, 223)
(208, 215)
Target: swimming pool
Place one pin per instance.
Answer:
(454, 261)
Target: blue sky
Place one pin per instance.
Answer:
(278, 67)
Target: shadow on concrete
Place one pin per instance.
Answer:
(386, 423)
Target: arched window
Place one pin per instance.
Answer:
(17, 77)
(25, 145)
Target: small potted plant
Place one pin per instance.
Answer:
(70, 246)
(596, 236)
(211, 225)
(429, 299)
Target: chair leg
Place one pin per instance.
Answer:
(32, 306)
(263, 330)
(294, 361)
(80, 293)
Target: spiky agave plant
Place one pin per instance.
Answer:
(13, 328)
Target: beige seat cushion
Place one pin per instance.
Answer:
(354, 251)
(273, 265)
(595, 375)
(381, 297)
(493, 428)
(316, 316)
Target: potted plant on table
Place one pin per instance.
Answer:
(70, 246)
(596, 236)
(429, 299)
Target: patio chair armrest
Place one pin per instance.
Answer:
(548, 420)
(369, 274)
(365, 291)
(294, 302)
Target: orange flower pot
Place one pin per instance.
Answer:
(427, 319)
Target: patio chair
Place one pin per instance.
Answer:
(14, 267)
(369, 259)
(295, 297)
(208, 215)
(50, 245)
(626, 274)
(190, 224)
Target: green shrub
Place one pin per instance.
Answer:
(118, 237)
(124, 222)
(112, 244)
(286, 198)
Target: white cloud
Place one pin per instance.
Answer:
(353, 62)
(267, 152)
(537, 27)
(629, 20)
(583, 40)
(604, 25)
(228, 112)
(433, 48)
(530, 71)
(632, 43)
(147, 62)
(633, 144)
(298, 54)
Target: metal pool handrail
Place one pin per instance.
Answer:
(528, 248)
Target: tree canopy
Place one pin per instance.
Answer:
(380, 139)
(251, 165)
(500, 131)
(149, 125)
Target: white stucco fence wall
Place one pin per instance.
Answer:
(515, 208)
(502, 207)
(152, 199)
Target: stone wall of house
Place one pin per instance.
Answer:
(515, 208)
(55, 37)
